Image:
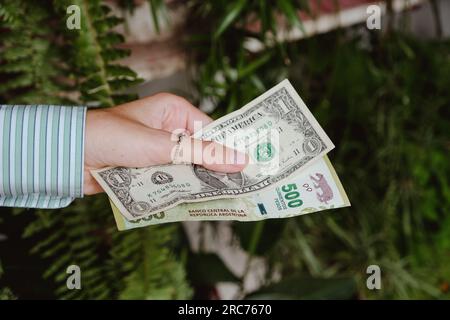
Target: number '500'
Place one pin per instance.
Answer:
(292, 195)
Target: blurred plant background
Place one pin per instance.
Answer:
(381, 95)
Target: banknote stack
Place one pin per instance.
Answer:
(289, 173)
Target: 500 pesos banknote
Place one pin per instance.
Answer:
(317, 188)
(276, 130)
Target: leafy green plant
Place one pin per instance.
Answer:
(382, 98)
(389, 124)
(5, 293)
(35, 62)
(388, 121)
(31, 63)
(295, 288)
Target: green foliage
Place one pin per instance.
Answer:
(35, 63)
(151, 268)
(228, 71)
(5, 293)
(383, 99)
(389, 123)
(77, 235)
(157, 8)
(100, 80)
(259, 237)
(297, 287)
(32, 68)
(208, 269)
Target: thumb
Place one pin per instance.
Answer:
(209, 154)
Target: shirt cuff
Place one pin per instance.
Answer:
(41, 155)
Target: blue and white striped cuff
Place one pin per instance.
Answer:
(41, 155)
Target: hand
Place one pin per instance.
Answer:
(140, 134)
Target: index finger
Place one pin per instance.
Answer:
(165, 111)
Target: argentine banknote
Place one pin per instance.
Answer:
(316, 188)
(276, 130)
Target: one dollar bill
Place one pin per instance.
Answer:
(276, 130)
(315, 189)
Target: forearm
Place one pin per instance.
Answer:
(41, 155)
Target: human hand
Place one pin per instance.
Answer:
(140, 134)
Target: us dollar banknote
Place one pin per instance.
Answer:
(315, 189)
(276, 130)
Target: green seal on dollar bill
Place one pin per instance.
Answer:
(265, 152)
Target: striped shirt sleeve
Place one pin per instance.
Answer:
(41, 155)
